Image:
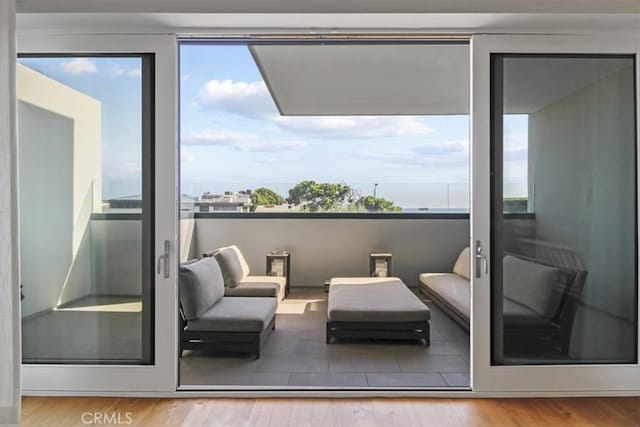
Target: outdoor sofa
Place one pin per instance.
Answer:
(539, 300)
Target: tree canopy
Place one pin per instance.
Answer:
(314, 196)
(377, 204)
(263, 196)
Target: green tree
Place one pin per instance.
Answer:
(316, 196)
(377, 204)
(263, 196)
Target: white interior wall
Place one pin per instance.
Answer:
(584, 204)
(60, 187)
(9, 270)
(46, 206)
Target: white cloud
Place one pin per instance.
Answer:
(221, 138)
(354, 127)
(436, 154)
(245, 99)
(79, 66)
(275, 146)
(186, 156)
(442, 148)
(240, 141)
(186, 78)
(117, 70)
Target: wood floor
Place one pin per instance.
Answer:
(565, 412)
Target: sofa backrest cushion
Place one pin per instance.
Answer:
(534, 285)
(233, 265)
(201, 286)
(462, 265)
(243, 261)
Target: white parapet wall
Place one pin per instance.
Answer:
(60, 169)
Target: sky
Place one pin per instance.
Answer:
(116, 83)
(232, 136)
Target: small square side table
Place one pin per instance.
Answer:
(279, 264)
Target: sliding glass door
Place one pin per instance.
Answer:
(555, 214)
(95, 128)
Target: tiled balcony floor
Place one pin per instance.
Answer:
(296, 355)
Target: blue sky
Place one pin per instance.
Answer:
(233, 138)
(116, 83)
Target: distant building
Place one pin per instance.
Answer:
(227, 202)
(278, 208)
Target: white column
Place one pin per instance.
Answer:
(9, 273)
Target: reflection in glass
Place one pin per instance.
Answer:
(564, 276)
(84, 209)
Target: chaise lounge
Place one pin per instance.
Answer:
(375, 308)
(213, 321)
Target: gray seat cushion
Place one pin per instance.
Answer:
(253, 290)
(232, 264)
(236, 315)
(519, 316)
(451, 287)
(200, 285)
(377, 301)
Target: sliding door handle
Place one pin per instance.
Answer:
(163, 260)
(481, 260)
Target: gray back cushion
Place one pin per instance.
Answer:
(201, 286)
(536, 286)
(462, 266)
(231, 264)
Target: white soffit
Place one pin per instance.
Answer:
(532, 83)
(366, 79)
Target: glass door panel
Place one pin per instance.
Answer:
(85, 212)
(96, 123)
(564, 267)
(554, 214)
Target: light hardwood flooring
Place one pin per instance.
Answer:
(561, 412)
(296, 355)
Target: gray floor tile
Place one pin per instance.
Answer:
(433, 363)
(342, 379)
(243, 379)
(457, 379)
(405, 380)
(450, 348)
(293, 363)
(348, 359)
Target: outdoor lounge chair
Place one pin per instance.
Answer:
(238, 282)
(375, 308)
(212, 321)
